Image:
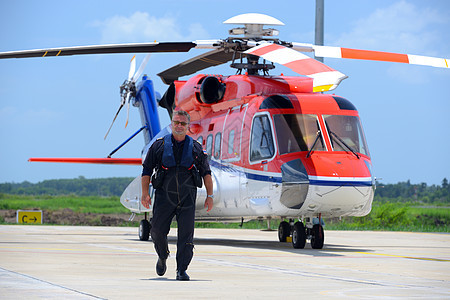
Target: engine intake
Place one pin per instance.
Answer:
(212, 90)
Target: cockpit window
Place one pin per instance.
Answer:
(297, 132)
(261, 145)
(346, 133)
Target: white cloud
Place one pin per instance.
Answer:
(401, 27)
(142, 27)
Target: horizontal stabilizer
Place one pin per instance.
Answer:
(85, 160)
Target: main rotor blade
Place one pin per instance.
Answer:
(324, 77)
(349, 53)
(200, 62)
(103, 49)
(339, 52)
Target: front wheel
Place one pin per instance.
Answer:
(144, 230)
(284, 230)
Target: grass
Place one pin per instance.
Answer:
(384, 216)
(398, 217)
(96, 205)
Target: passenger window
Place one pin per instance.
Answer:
(217, 144)
(209, 141)
(261, 144)
(231, 142)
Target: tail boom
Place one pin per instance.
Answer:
(86, 160)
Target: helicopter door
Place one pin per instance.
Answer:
(232, 129)
(231, 147)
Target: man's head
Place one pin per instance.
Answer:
(180, 124)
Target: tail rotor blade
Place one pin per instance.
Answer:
(128, 109)
(127, 88)
(115, 117)
(141, 68)
(132, 67)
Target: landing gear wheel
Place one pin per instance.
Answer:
(144, 230)
(317, 238)
(284, 230)
(299, 236)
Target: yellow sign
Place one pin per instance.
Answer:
(29, 216)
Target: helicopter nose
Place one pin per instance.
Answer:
(295, 184)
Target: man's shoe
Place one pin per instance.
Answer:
(161, 267)
(182, 275)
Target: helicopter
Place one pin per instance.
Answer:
(279, 147)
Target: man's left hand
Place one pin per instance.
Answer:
(209, 203)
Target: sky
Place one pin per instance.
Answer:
(63, 106)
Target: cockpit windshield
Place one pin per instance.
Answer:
(298, 132)
(346, 134)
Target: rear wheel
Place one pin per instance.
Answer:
(144, 230)
(299, 236)
(317, 237)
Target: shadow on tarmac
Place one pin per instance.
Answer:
(328, 250)
(165, 279)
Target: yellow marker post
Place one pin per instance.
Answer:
(29, 216)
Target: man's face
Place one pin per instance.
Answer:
(177, 125)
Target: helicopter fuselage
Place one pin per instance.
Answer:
(276, 148)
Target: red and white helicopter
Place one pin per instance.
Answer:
(279, 146)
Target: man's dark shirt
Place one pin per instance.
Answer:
(154, 156)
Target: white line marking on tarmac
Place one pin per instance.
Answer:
(9, 279)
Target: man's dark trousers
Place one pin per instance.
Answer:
(169, 202)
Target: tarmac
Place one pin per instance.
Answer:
(66, 262)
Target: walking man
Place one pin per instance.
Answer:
(180, 164)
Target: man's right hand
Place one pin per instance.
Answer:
(146, 200)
